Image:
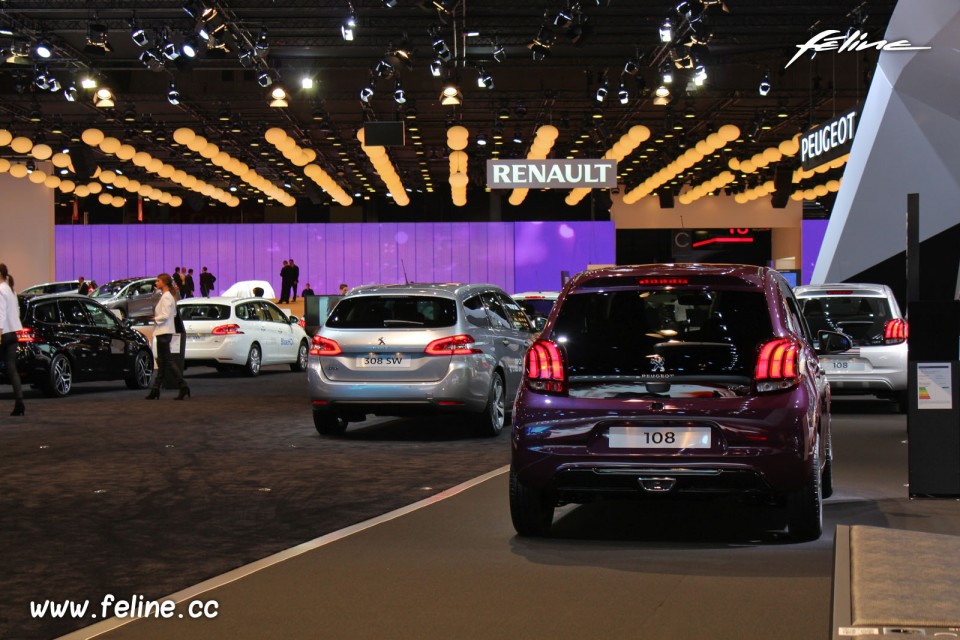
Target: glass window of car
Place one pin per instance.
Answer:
(202, 311)
(144, 288)
(100, 317)
(273, 314)
(393, 311)
(498, 315)
(46, 313)
(861, 317)
(72, 312)
(633, 332)
(111, 289)
(249, 311)
(474, 312)
(515, 315)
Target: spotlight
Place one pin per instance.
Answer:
(389, 4)
(366, 93)
(602, 91)
(503, 113)
(442, 50)
(451, 96)
(517, 137)
(631, 67)
(170, 51)
(666, 74)
(347, 28)
(264, 78)
(597, 114)
(40, 80)
(98, 40)
(70, 93)
(173, 96)
(436, 68)
(623, 95)
(263, 43)
(306, 82)
(103, 98)
(699, 75)
(481, 139)
(383, 69)
(666, 31)
(540, 46)
(499, 54)
(43, 48)
(190, 47)
(138, 34)
(54, 84)
(764, 87)
(278, 97)
(662, 92)
(150, 60)
(247, 59)
(35, 115)
(88, 82)
(484, 79)
(399, 96)
(563, 19)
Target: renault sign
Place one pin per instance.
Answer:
(555, 174)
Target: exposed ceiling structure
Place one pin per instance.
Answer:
(544, 62)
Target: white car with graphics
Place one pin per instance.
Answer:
(241, 334)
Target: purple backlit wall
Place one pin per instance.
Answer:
(812, 233)
(518, 256)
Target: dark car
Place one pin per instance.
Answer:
(70, 338)
(674, 380)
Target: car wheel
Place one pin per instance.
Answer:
(805, 519)
(490, 422)
(301, 363)
(826, 485)
(254, 360)
(142, 369)
(530, 509)
(329, 424)
(59, 376)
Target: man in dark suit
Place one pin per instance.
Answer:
(285, 283)
(294, 278)
(206, 282)
(188, 284)
(177, 280)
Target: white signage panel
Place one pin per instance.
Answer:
(554, 174)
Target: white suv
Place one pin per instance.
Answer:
(869, 314)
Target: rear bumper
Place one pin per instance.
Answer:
(228, 350)
(462, 389)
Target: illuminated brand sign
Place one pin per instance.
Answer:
(828, 141)
(558, 174)
(833, 40)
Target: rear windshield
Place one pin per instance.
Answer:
(204, 311)
(393, 312)
(660, 333)
(860, 317)
(536, 307)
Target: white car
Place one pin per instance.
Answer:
(869, 314)
(245, 333)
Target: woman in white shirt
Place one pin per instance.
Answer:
(164, 320)
(9, 325)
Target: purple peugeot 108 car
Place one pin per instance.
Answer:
(673, 380)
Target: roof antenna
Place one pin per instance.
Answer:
(406, 280)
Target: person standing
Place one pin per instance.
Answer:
(307, 291)
(294, 278)
(206, 282)
(9, 325)
(83, 287)
(177, 280)
(165, 325)
(343, 289)
(284, 283)
(188, 284)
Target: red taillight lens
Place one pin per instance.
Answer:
(777, 365)
(302, 323)
(460, 345)
(895, 331)
(27, 335)
(226, 330)
(544, 370)
(321, 346)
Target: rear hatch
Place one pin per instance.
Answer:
(384, 338)
(647, 342)
(207, 324)
(862, 317)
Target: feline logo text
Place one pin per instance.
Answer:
(833, 40)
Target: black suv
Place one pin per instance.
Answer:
(71, 338)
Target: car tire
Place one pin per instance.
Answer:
(805, 507)
(329, 424)
(302, 352)
(59, 380)
(530, 509)
(494, 415)
(254, 361)
(826, 484)
(142, 370)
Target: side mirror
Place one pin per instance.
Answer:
(539, 323)
(833, 342)
(293, 320)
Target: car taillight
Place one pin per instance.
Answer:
(302, 323)
(544, 370)
(226, 330)
(778, 365)
(895, 331)
(460, 345)
(27, 335)
(321, 346)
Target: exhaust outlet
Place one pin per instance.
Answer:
(657, 484)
